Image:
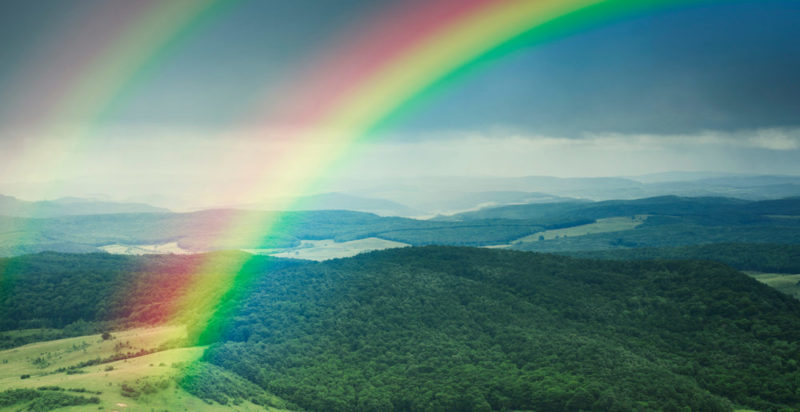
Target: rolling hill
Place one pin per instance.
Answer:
(571, 226)
(459, 329)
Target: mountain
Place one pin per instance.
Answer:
(710, 208)
(440, 195)
(743, 187)
(443, 202)
(343, 201)
(679, 176)
(447, 195)
(69, 206)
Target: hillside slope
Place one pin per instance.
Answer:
(473, 329)
(445, 328)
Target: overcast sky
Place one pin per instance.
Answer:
(712, 87)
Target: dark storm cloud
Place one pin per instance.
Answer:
(717, 67)
(723, 66)
(208, 77)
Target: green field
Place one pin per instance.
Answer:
(326, 249)
(318, 250)
(105, 380)
(604, 225)
(788, 284)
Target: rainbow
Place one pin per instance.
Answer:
(376, 77)
(369, 80)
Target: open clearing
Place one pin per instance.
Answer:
(609, 224)
(41, 360)
(156, 249)
(786, 283)
(318, 250)
(326, 249)
(605, 225)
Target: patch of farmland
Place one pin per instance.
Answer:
(610, 224)
(326, 249)
(788, 284)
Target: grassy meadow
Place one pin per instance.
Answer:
(145, 382)
(786, 283)
(602, 225)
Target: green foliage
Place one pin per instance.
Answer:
(668, 232)
(145, 386)
(762, 257)
(15, 396)
(213, 384)
(673, 221)
(86, 294)
(471, 329)
(43, 399)
(199, 231)
(442, 328)
(710, 211)
(55, 290)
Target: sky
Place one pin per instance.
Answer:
(708, 87)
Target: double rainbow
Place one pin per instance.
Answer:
(379, 71)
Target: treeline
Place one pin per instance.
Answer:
(201, 231)
(86, 293)
(43, 399)
(761, 257)
(53, 290)
(660, 232)
(698, 210)
(673, 221)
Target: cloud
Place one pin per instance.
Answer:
(775, 139)
(201, 167)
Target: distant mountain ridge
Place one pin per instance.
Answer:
(447, 195)
(343, 201)
(695, 207)
(70, 206)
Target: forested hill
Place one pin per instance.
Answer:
(470, 329)
(199, 231)
(698, 209)
(447, 328)
(664, 222)
(762, 257)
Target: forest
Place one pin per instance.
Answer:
(670, 221)
(762, 257)
(450, 328)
